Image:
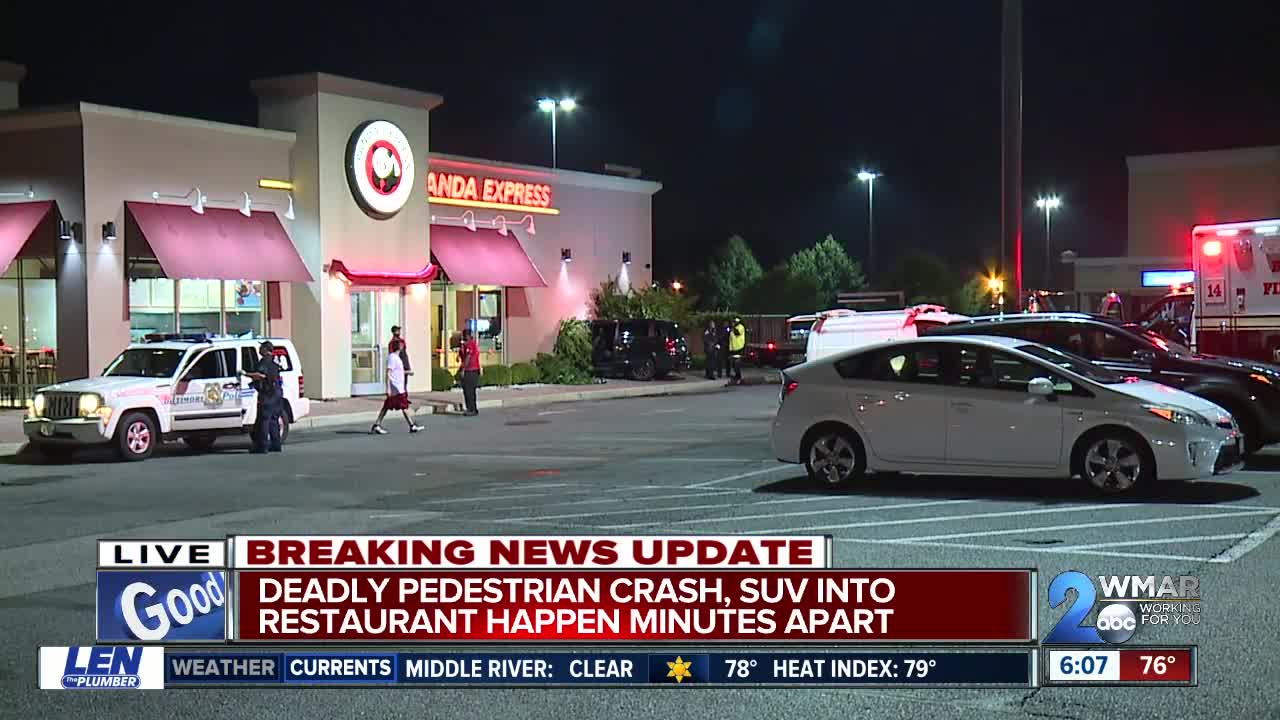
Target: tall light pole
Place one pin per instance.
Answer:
(547, 105)
(869, 178)
(1048, 205)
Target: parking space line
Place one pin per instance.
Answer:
(663, 412)
(1251, 541)
(505, 457)
(1156, 541)
(951, 518)
(678, 508)
(1040, 550)
(853, 509)
(668, 496)
(557, 412)
(669, 459)
(1083, 526)
(740, 476)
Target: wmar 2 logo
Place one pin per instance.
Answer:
(1159, 599)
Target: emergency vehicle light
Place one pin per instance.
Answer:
(1211, 248)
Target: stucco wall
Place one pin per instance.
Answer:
(127, 157)
(49, 161)
(1168, 194)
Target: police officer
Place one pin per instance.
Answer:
(737, 343)
(266, 380)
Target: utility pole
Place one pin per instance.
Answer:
(1011, 143)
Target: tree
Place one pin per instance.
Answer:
(971, 298)
(923, 278)
(609, 302)
(732, 269)
(780, 291)
(830, 268)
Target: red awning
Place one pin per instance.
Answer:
(483, 257)
(17, 222)
(384, 278)
(221, 244)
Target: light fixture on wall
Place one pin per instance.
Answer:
(272, 184)
(66, 230)
(469, 220)
(566, 255)
(500, 223)
(246, 207)
(626, 257)
(197, 202)
(29, 194)
(288, 214)
(108, 231)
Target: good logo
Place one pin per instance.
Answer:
(380, 168)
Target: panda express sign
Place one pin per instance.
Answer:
(446, 188)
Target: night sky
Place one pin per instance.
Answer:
(752, 114)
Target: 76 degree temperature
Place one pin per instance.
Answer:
(1159, 664)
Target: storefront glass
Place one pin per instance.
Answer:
(373, 313)
(28, 329)
(161, 305)
(481, 308)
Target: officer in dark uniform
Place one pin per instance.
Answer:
(266, 380)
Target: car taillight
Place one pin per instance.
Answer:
(771, 345)
(788, 386)
(671, 346)
(301, 385)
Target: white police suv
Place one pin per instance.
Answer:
(186, 387)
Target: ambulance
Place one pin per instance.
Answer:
(1236, 312)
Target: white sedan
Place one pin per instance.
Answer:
(976, 405)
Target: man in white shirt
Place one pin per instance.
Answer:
(397, 391)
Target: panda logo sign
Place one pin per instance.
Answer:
(380, 168)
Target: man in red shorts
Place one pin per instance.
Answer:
(397, 392)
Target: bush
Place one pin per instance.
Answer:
(441, 379)
(609, 302)
(573, 346)
(524, 374)
(495, 375)
(556, 370)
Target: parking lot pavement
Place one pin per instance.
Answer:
(698, 464)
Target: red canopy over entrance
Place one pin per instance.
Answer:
(483, 257)
(17, 223)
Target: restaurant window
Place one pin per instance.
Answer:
(28, 328)
(160, 305)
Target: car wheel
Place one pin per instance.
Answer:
(643, 370)
(834, 457)
(200, 443)
(1115, 462)
(1249, 429)
(136, 436)
(52, 453)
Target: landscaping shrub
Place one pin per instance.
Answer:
(524, 374)
(441, 379)
(495, 375)
(556, 370)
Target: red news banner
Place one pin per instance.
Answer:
(375, 589)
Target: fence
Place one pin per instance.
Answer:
(760, 329)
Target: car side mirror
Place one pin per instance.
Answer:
(1040, 386)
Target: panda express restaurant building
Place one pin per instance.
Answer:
(328, 224)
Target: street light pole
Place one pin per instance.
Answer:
(547, 105)
(869, 178)
(1048, 204)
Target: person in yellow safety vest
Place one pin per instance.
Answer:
(737, 342)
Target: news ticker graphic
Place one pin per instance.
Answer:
(1108, 665)
(151, 667)
(529, 589)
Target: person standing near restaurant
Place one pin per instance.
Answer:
(266, 381)
(397, 392)
(711, 344)
(726, 357)
(737, 343)
(469, 357)
(404, 349)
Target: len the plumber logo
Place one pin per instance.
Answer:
(1130, 601)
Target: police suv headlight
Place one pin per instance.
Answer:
(89, 404)
(1178, 416)
(38, 405)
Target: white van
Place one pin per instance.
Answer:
(839, 330)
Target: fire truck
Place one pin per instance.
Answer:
(1236, 312)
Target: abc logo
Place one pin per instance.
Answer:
(1116, 623)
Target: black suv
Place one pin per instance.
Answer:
(1249, 390)
(638, 349)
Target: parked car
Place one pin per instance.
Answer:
(974, 405)
(783, 352)
(1249, 390)
(638, 349)
(837, 331)
(184, 387)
